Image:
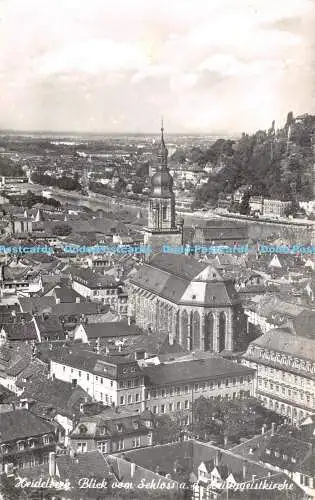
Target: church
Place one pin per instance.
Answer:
(177, 295)
(162, 227)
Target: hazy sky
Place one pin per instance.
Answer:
(118, 65)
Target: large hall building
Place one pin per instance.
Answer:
(190, 301)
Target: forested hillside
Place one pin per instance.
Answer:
(275, 163)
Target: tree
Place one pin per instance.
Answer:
(234, 419)
(245, 206)
(167, 429)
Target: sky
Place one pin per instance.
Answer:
(207, 66)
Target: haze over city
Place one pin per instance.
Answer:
(223, 66)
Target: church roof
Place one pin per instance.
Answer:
(181, 279)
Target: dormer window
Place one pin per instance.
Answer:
(194, 296)
(119, 427)
(285, 457)
(293, 460)
(21, 445)
(268, 451)
(82, 429)
(136, 425)
(103, 430)
(5, 449)
(46, 440)
(32, 443)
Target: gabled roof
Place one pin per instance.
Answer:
(91, 279)
(116, 423)
(116, 329)
(21, 424)
(55, 394)
(181, 279)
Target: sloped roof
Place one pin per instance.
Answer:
(196, 369)
(282, 340)
(21, 424)
(189, 455)
(182, 279)
(111, 329)
(19, 331)
(109, 419)
(56, 394)
(40, 304)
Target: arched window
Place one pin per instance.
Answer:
(184, 325)
(222, 331)
(164, 214)
(209, 332)
(196, 330)
(176, 319)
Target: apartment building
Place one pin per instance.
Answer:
(173, 387)
(285, 365)
(166, 388)
(25, 440)
(95, 286)
(112, 430)
(111, 380)
(275, 208)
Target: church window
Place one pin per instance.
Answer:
(222, 331)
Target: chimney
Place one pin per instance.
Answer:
(263, 430)
(132, 469)
(129, 320)
(52, 464)
(225, 440)
(244, 470)
(217, 458)
(273, 428)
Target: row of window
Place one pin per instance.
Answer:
(129, 384)
(102, 446)
(278, 358)
(32, 462)
(171, 391)
(285, 391)
(131, 398)
(282, 408)
(105, 292)
(97, 378)
(29, 443)
(284, 374)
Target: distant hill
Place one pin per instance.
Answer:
(275, 163)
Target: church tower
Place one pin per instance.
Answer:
(162, 228)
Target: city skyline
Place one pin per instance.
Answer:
(114, 67)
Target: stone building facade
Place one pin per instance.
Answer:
(189, 301)
(285, 372)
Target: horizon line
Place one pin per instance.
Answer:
(76, 133)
